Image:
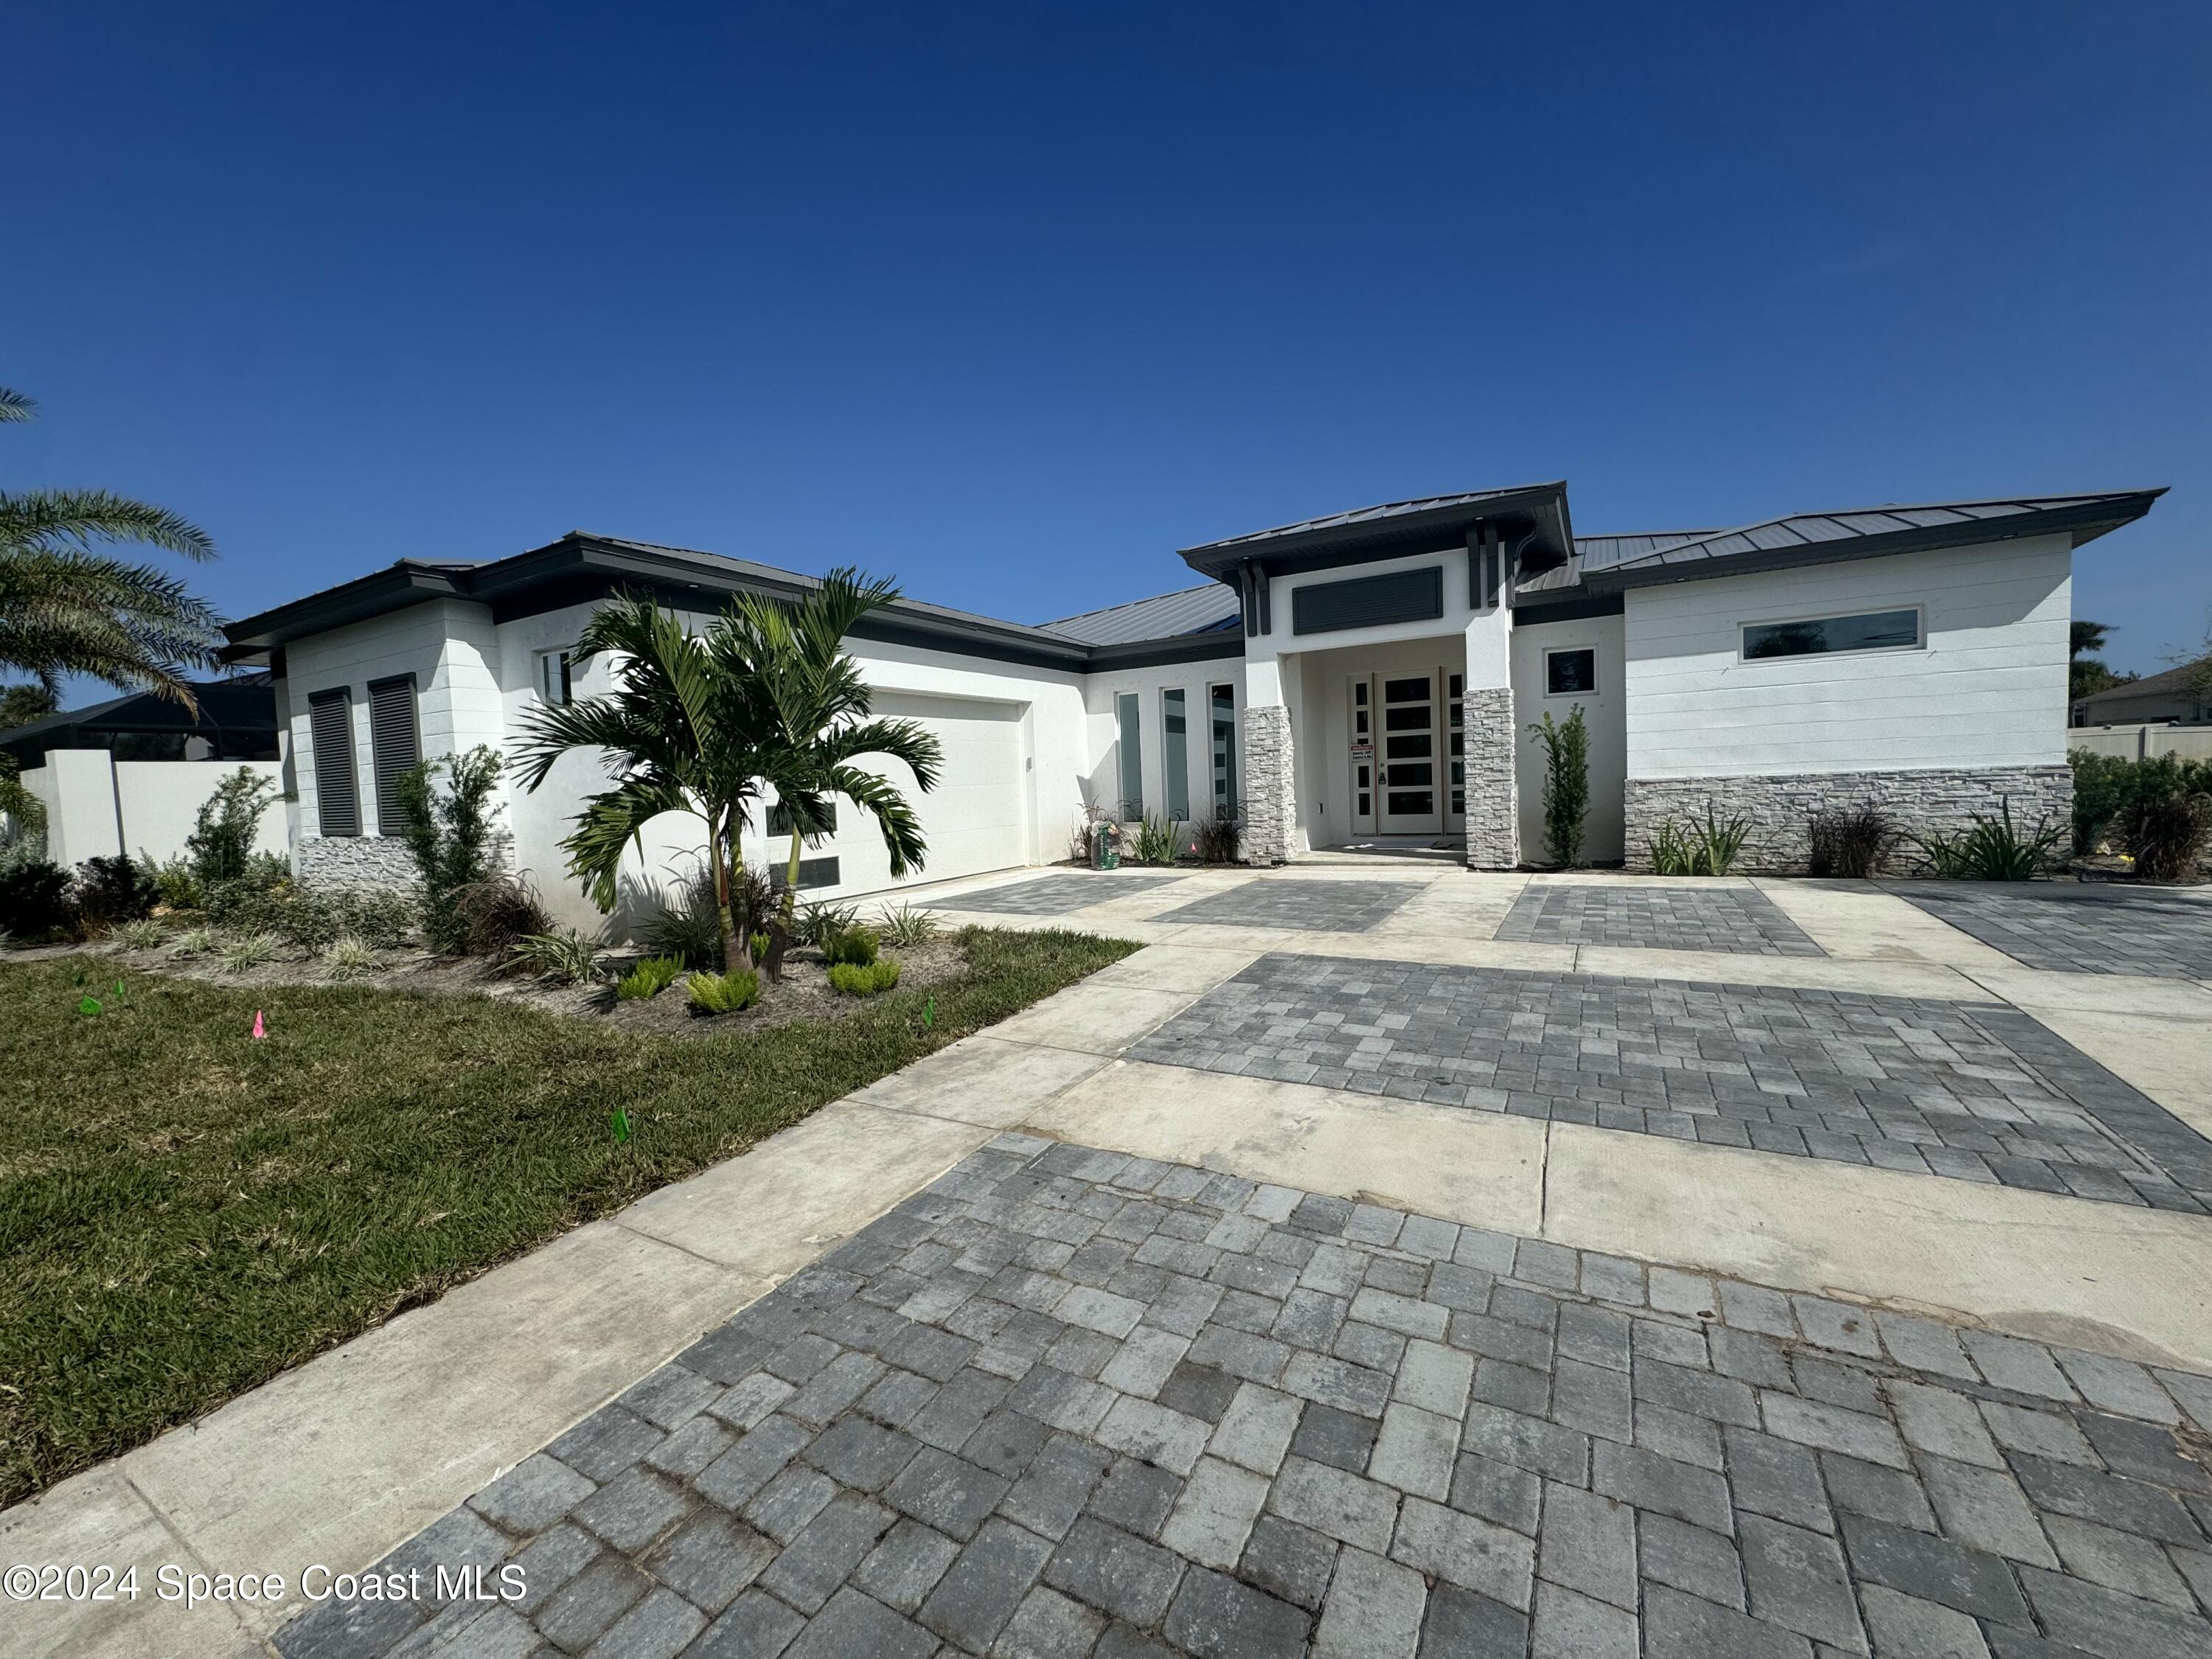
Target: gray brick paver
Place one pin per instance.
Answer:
(1457, 1442)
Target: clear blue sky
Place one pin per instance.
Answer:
(1013, 300)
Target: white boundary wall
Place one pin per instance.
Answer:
(98, 807)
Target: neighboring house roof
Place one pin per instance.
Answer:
(234, 714)
(2182, 684)
(1204, 610)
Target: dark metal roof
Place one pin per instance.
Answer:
(1538, 512)
(1859, 533)
(237, 711)
(581, 567)
(1204, 610)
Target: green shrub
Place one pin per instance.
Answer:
(1566, 785)
(907, 926)
(112, 889)
(690, 926)
(196, 942)
(855, 946)
(723, 994)
(818, 921)
(648, 979)
(241, 952)
(1851, 842)
(2103, 784)
(177, 883)
(349, 957)
(310, 918)
(1710, 848)
(222, 842)
(854, 980)
(564, 958)
(1992, 850)
(144, 934)
(1156, 841)
(449, 833)
(34, 901)
(758, 945)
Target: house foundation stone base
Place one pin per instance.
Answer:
(1493, 797)
(354, 862)
(1778, 808)
(1271, 809)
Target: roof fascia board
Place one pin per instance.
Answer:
(377, 594)
(2084, 522)
(1440, 529)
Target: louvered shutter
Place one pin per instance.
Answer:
(330, 723)
(394, 742)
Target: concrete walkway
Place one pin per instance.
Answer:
(339, 1461)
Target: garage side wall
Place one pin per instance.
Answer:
(1971, 719)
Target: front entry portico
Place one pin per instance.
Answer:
(1406, 755)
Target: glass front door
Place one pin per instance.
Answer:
(1409, 772)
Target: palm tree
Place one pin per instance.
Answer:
(65, 609)
(819, 725)
(683, 732)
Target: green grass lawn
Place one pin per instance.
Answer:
(185, 1212)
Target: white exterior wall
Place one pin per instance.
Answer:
(1036, 722)
(1196, 681)
(1604, 715)
(448, 645)
(1986, 689)
(97, 806)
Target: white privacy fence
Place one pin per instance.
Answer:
(2142, 742)
(97, 805)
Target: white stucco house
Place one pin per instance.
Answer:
(1365, 678)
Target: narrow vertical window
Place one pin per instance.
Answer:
(556, 679)
(1223, 701)
(1132, 757)
(329, 727)
(395, 744)
(1174, 753)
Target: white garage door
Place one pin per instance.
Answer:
(976, 818)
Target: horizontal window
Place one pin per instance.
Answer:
(1877, 630)
(1413, 748)
(1412, 805)
(779, 821)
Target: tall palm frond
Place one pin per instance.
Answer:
(821, 709)
(66, 608)
(679, 733)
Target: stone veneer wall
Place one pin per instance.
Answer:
(1779, 807)
(1494, 796)
(1271, 809)
(356, 861)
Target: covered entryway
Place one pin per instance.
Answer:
(1408, 769)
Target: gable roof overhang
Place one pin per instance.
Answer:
(1533, 516)
(1810, 539)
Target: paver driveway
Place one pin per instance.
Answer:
(1735, 919)
(1052, 896)
(2080, 928)
(1974, 1090)
(1066, 1401)
(1329, 906)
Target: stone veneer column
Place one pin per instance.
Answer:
(1494, 796)
(1270, 790)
